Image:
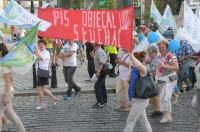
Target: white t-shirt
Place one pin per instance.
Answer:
(21, 33)
(123, 70)
(4, 70)
(1, 36)
(70, 61)
(44, 64)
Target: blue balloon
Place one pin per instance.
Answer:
(174, 45)
(152, 37)
(141, 37)
(9, 40)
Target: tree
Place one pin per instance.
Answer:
(161, 4)
(66, 4)
(109, 4)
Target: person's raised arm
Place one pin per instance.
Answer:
(142, 69)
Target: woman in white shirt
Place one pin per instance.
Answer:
(6, 93)
(43, 58)
(122, 82)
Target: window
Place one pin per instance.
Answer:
(136, 3)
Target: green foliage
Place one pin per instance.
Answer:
(109, 4)
(77, 4)
(161, 5)
(5, 30)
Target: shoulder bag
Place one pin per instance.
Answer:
(145, 87)
(107, 67)
(42, 73)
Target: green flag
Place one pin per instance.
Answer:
(23, 52)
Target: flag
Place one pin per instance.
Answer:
(191, 22)
(14, 14)
(90, 6)
(161, 37)
(183, 34)
(142, 46)
(23, 52)
(168, 19)
(157, 17)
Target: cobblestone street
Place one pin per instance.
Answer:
(77, 115)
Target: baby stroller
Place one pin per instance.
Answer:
(14, 36)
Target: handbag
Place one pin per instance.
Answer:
(42, 73)
(173, 78)
(145, 87)
(107, 67)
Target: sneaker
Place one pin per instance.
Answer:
(98, 105)
(77, 93)
(67, 97)
(156, 114)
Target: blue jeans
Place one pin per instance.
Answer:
(100, 89)
(68, 72)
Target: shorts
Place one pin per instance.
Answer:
(42, 81)
(56, 48)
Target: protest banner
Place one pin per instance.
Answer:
(106, 27)
(15, 14)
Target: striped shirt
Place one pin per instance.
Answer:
(99, 57)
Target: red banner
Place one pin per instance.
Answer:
(107, 27)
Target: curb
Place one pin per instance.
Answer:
(59, 92)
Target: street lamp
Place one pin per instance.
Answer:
(32, 7)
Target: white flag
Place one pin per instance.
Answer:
(191, 23)
(168, 19)
(155, 14)
(183, 34)
(142, 46)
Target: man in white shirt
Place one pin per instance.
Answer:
(21, 33)
(1, 37)
(69, 67)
